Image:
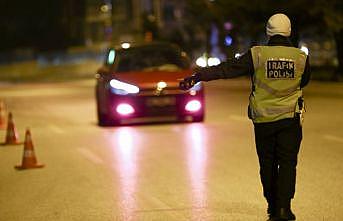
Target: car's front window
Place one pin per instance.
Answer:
(150, 59)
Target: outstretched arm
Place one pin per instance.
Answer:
(230, 69)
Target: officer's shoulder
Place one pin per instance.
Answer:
(257, 47)
(298, 50)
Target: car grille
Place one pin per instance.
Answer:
(161, 111)
(160, 106)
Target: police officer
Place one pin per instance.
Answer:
(278, 73)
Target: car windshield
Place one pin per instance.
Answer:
(150, 59)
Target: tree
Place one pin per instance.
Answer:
(332, 13)
(40, 24)
(201, 15)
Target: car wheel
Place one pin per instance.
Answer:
(105, 121)
(102, 120)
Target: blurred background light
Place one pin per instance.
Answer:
(111, 57)
(228, 26)
(228, 40)
(213, 61)
(104, 8)
(201, 62)
(125, 45)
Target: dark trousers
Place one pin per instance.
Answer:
(277, 145)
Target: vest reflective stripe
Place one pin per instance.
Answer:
(275, 110)
(277, 93)
(276, 81)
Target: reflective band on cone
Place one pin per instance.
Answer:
(28, 153)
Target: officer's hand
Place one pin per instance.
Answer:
(188, 82)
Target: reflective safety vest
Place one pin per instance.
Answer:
(276, 82)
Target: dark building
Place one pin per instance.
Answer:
(130, 20)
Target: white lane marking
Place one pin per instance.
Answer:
(239, 118)
(57, 129)
(333, 138)
(90, 156)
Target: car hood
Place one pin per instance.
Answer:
(149, 79)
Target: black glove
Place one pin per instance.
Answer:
(188, 82)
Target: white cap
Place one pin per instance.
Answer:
(279, 24)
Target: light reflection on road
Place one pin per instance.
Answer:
(195, 138)
(125, 150)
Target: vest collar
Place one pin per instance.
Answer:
(278, 40)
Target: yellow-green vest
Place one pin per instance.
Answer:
(276, 82)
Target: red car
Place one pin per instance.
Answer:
(140, 85)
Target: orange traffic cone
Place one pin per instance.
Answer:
(2, 115)
(12, 134)
(29, 158)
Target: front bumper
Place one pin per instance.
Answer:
(153, 108)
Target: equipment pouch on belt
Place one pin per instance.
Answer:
(301, 110)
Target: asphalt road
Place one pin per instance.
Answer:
(201, 171)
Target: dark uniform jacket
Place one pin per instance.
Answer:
(243, 66)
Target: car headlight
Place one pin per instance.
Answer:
(121, 88)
